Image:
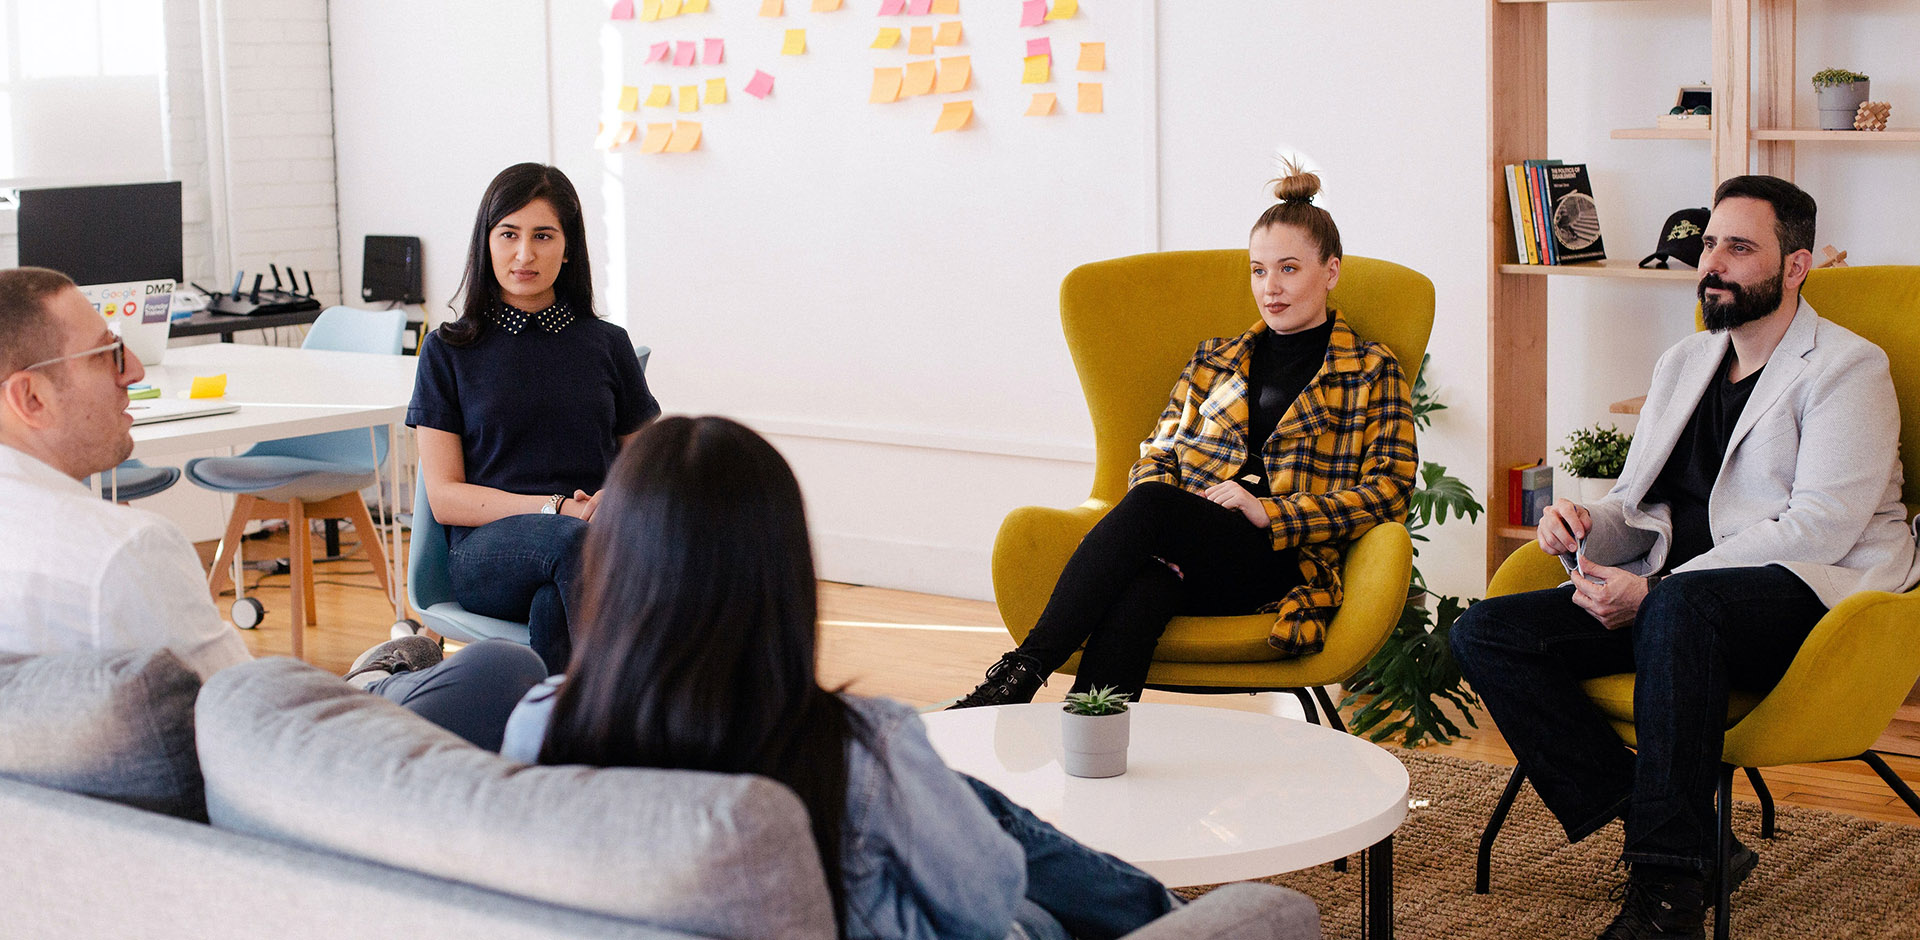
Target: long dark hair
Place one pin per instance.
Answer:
(695, 644)
(511, 191)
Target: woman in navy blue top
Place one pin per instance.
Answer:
(521, 404)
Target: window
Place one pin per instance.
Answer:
(81, 92)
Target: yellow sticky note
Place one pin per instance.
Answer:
(1063, 9)
(955, 72)
(886, 86)
(650, 10)
(888, 38)
(919, 79)
(629, 98)
(660, 96)
(209, 386)
(1090, 98)
(1042, 104)
(953, 116)
(694, 6)
(945, 8)
(689, 99)
(686, 137)
(922, 41)
(1038, 71)
(716, 91)
(949, 34)
(772, 8)
(1093, 57)
(796, 43)
(669, 8)
(656, 139)
(825, 6)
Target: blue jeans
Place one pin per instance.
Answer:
(472, 692)
(1092, 894)
(522, 568)
(1699, 634)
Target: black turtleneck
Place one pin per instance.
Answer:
(1281, 366)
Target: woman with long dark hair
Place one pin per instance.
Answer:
(521, 404)
(695, 650)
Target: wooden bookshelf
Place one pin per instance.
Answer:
(1892, 135)
(1661, 133)
(1628, 406)
(1612, 267)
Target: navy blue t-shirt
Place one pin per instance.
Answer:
(538, 412)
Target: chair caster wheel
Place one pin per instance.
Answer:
(405, 628)
(247, 613)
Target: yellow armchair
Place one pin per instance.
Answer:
(1132, 324)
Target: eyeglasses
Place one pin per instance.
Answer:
(118, 347)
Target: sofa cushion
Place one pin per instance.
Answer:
(118, 726)
(293, 754)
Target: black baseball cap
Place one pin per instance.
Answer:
(1679, 239)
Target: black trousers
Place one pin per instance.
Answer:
(1119, 589)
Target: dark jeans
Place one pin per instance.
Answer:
(1117, 592)
(522, 568)
(472, 692)
(1698, 635)
(1092, 894)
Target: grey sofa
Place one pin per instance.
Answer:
(332, 813)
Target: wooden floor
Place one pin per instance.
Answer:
(925, 649)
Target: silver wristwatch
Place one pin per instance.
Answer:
(553, 505)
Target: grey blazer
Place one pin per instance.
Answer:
(1811, 479)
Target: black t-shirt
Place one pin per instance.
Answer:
(538, 411)
(1281, 366)
(1685, 484)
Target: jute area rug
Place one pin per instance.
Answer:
(1823, 875)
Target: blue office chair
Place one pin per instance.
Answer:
(318, 476)
(430, 588)
(135, 480)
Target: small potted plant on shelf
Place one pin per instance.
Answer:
(1595, 456)
(1093, 733)
(1839, 94)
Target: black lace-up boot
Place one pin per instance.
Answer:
(1661, 903)
(1011, 681)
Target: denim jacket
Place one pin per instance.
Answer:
(920, 856)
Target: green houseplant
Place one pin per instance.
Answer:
(1838, 93)
(1595, 456)
(1094, 733)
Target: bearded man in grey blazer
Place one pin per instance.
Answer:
(1762, 488)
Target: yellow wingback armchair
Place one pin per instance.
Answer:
(1861, 659)
(1132, 324)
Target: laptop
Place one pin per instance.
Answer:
(156, 410)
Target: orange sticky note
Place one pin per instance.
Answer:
(1063, 9)
(886, 86)
(888, 38)
(716, 91)
(1042, 104)
(772, 8)
(629, 98)
(919, 79)
(1038, 70)
(953, 116)
(656, 139)
(825, 6)
(1090, 98)
(686, 137)
(694, 6)
(208, 386)
(660, 96)
(669, 8)
(796, 43)
(1093, 57)
(955, 72)
(627, 131)
(650, 10)
(945, 7)
(949, 34)
(689, 99)
(604, 139)
(922, 41)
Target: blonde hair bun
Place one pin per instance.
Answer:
(1296, 184)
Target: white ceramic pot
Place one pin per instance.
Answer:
(1094, 745)
(1593, 488)
(1838, 103)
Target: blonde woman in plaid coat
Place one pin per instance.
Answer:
(1211, 526)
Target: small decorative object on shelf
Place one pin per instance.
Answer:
(1839, 93)
(1692, 109)
(1835, 259)
(1595, 457)
(1680, 239)
(1094, 733)
(1872, 115)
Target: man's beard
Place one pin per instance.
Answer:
(1748, 303)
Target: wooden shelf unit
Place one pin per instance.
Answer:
(1612, 267)
(1661, 133)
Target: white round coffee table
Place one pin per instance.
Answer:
(1210, 794)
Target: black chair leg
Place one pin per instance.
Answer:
(1326, 705)
(1766, 802)
(1306, 704)
(1483, 869)
(1893, 780)
(1719, 883)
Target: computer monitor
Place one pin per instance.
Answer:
(120, 244)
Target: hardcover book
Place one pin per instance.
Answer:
(1573, 217)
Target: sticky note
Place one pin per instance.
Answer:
(955, 72)
(650, 10)
(795, 44)
(760, 85)
(1032, 12)
(1064, 9)
(946, 7)
(656, 139)
(689, 99)
(716, 52)
(209, 386)
(1041, 46)
(892, 7)
(1038, 70)
(919, 7)
(953, 116)
(772, 8)
(601, 141)
(694, 6)
(716, 91)
(686, 137)
(622, 10)
(669, 8)
(659, 51)
(825, 6)
(920, 77)
(629, 98)
(922, 41)
(888, 38)
(886, 86)
(659, 97)
(1090, 98)
(627, 130)
(1093, 57)
(949, 34)
(683, 53)
(1042, 104)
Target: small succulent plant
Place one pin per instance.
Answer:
(1831, 78)
(1100, 701)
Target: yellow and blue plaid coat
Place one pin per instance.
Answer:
(1341, 460)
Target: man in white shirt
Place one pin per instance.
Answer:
(80, 573)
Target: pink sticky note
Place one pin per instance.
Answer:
(1042, 46)
(683, 53)
(659, 51)
(1032, 12)
(716, 52)
(919, 7)
(760, 85)
(623, 10)
(892, 7)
